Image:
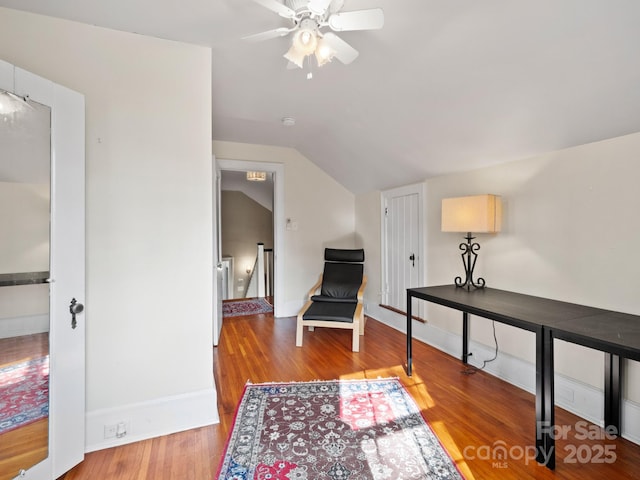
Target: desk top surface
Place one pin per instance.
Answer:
(606, 330)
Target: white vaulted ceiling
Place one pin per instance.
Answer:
(444, 86)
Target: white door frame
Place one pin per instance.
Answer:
(278, 218)
(387, 195)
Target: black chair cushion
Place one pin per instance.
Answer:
(335, 312)
(343, 255)
(341, 281)
(324, 298)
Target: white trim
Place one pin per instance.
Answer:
(155, 418)
(278, 220)
(27, 325)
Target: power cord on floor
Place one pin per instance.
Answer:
(470, 370)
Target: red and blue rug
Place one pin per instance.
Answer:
(334, 430)
(24, 393)
(248, 306)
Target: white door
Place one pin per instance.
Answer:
(67, 271)
(402, 249)
(218, 276)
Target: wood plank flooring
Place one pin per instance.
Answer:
(473, 415)
(29, 444)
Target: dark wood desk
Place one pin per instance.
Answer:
(616, 334)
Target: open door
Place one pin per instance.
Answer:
(217, 255)
(66, 279)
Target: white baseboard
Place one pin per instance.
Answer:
(291, 309)
(146, 420)
(28, 325)
(578, 398)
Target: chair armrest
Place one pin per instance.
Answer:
(361, 289)
(315, 288)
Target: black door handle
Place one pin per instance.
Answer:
(413, 260)
(74, 308)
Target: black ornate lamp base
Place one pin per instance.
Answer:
(469, 257)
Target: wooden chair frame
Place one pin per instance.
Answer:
(358, 317)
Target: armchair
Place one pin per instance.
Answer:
(340, 301)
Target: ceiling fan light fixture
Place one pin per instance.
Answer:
(304, 43)
(295, 56)
(324, 53)
(305, 40)
(310, 20)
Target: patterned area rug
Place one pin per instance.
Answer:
(249, 306)
(24, 393)
(334, 430)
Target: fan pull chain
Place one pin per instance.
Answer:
(309, 73)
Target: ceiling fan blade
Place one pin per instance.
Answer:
(268, 35)
(372, 19)
(336, 6)
(344, 52)
(319, 7)
(275, 6)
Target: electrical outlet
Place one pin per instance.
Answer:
(110, 431)
(121, 429)
(116, 430)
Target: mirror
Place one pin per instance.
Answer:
(25, 167)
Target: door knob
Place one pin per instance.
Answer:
(75, 308)
(413, 260)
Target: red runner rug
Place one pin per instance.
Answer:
(336, 430)
(248, 306)
(24, 393)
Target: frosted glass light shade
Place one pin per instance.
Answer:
(294, 56)
(324, 52)
(477, 214)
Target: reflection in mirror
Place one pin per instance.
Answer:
(25, 164)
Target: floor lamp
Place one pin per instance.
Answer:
(477, 214)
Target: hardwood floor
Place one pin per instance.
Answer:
(28, 445)
(473, 415)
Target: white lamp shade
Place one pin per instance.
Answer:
(477, 214)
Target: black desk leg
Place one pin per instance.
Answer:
(612, 392)
(409, 334)
(465, 337)
(545, 418)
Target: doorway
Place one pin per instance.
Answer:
(276, 171)
(246, 235)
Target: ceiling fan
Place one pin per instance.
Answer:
(310, 20)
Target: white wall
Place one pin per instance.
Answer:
(149, 219)
(570, 232)
(24, 216)
(323, 210)
(368, 236)
(24, 219)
